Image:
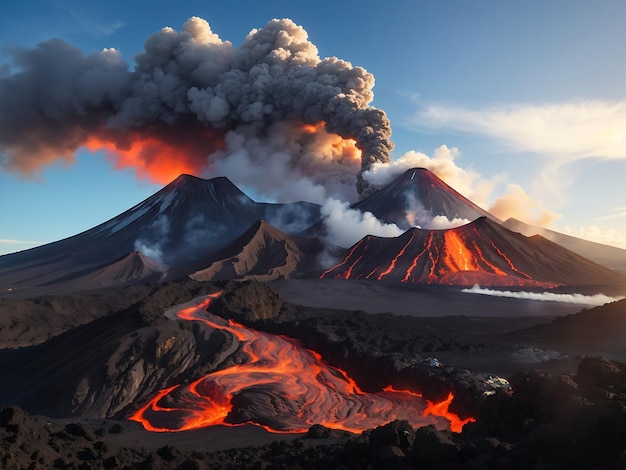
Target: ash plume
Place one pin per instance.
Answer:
(188, 91)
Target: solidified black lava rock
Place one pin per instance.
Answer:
(247, 302)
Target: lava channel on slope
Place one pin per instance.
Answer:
(284, 388)
(459, 256)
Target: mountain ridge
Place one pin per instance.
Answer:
(263, 253)
(481, 252)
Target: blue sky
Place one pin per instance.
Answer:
(528, 98)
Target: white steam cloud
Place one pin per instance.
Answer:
(441, 222)
(151, 243)
(590, 300)
(346, 226)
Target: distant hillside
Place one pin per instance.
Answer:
(606, 255)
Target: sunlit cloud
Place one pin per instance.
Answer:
(571, 130)
(606, 236)
(516, 203)
(559, 134)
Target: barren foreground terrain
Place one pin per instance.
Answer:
(566, 411)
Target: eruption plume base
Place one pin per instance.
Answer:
(156, 155)
(284, 388)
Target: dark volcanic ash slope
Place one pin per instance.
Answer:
(263, 253)
(482, 252)
(187, 219)
(600, 329)
(415, 198)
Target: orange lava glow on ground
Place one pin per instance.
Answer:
(275, 383)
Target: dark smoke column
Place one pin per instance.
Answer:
(183, 81)
(277, 75)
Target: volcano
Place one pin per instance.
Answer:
(482, 252)
(263, 253)
(415, 198)
(187, 220)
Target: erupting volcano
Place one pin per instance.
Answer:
(277, 384)
(482, 252)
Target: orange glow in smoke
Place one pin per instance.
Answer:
(313, 128)
(158, 158)
(329, 146)
(281, 387)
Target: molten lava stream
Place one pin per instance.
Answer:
(283, 387)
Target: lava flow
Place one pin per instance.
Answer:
(275, 383)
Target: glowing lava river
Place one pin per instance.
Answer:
(283, 387)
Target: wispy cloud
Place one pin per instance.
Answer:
(616, 213)
(18, 242)
(90, 25)
(591, 300)
(570, 130)
(606, 236)
(560, 134)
